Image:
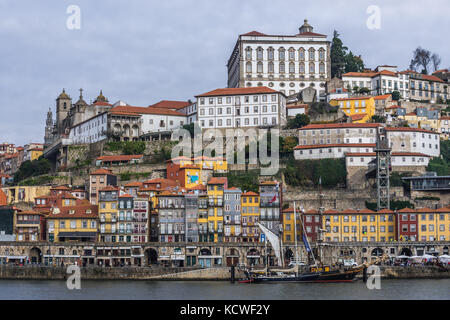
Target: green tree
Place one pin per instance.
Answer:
(341, 61)
(32, 168)
(395, 95)
(364, 90)
(353, 63)
(337, 55)
(378, 119)
(299, 121)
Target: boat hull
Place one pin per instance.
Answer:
(320, 277)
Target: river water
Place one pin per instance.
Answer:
(436, 289)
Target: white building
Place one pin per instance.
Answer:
(384, 79)
(91, 130)
(398, 159)
(241, 107)
(286, 63)
(321, 141)
(154, 119)
(413, 140)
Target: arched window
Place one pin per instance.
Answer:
(270, 52)
(291, 54)
(291, 67)
(248, 53)
(282, 70)
(302, 67)
(322, 67)
(281, 54)
(259, 67)
(248, 67)
(259, 53)
(321, 54)
(312, 54)
(301, 54)
(311, 67)
(271, 68)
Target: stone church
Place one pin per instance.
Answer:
(68, 115)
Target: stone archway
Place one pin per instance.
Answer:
(35, 255)
(406, 252)
(151, 256)
(377, 252)
(232, 257)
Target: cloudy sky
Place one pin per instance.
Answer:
(145, 51)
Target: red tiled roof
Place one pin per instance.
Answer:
(29, 212)
(339, 126)
(101, 171)
(382, 97)
(167, 104)
(79, 212)
(134, 184)
(63, 188)
(297, 106)
(254, 33)
(336, 145)
(356, 117)
(360, 154)
(406, 210)
(269, 183)
(408, 129)
(126, 196)
(109, 188)
(250, 193)
(385, 211)
(120, 157)
(142, 110)
(216, 180)
(360, 74)
(393, 107)
(310, 34)
(353, 98)
(237, 91)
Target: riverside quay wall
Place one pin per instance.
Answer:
(204, 255)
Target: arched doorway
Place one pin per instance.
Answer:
(151, 256)
(377, 252)
(445, 250)
(232, 257)
(288, 256)
(253, 257)
(204, 258)
(406, 252)
(35, 255)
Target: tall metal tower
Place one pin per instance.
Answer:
(383, 167)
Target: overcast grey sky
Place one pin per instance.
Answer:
(145, 51)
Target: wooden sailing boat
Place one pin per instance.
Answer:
(317, 272)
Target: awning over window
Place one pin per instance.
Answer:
(77, 234)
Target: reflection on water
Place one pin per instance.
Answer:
(154, 290)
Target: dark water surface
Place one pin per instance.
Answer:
(167, 290)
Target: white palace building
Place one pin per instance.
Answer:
(286, 63)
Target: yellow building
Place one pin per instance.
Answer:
(288, 225)
(36, 153)
(422, 122)
(250, 215)
(75, 223)
(356, 107)
(108, 214)
(25, 193)
(215, 190)
(433, 225)
(191, 175)
(361, 226)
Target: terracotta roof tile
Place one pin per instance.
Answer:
(237, 91)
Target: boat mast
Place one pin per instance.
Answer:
(295, 236)
(306, 237)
